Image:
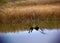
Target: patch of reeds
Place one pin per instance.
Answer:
(25, 14)
(24, 17)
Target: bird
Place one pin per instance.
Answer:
(31, 29)
(36, 28)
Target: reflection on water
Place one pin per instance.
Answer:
(25, 37)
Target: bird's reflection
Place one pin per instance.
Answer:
(36, 28)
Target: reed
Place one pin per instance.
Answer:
(45, 16)
(25, 14)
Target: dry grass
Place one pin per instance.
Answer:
(30, 13)
(19, 3)
(45, 16)
(20, 15)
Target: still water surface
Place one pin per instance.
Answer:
(50, 36)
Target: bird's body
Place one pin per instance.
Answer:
(36, 28)
(31, 29)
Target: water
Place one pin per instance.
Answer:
(50, 36)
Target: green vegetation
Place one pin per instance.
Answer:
(4, 1)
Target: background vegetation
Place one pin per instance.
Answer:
(4, 1)
(22, 14)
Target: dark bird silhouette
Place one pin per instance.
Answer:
(31, 29)
(36, 28)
